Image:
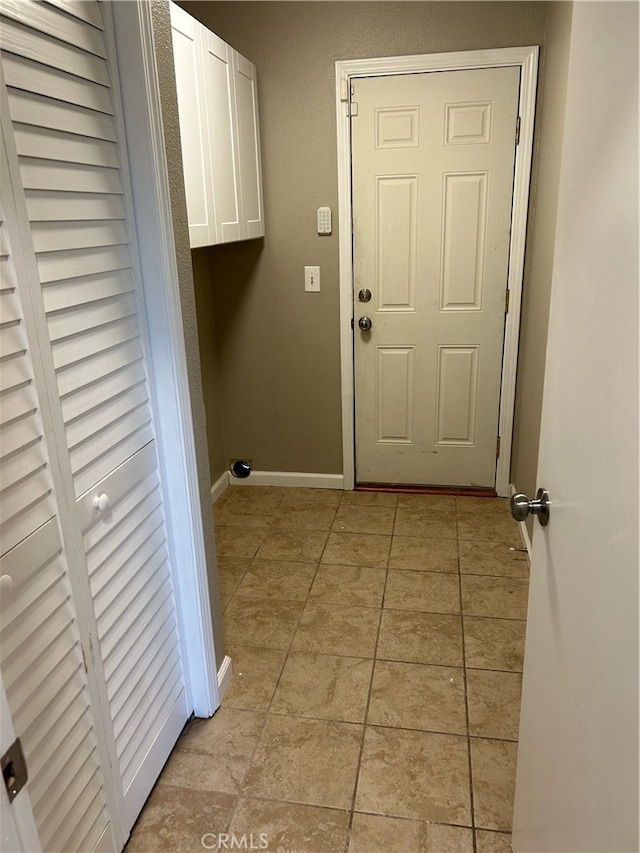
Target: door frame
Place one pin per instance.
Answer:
(526, 58)
(167, 363)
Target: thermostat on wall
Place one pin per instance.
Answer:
(324, 220)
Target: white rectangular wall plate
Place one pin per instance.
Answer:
(324, 220)
(312, 279)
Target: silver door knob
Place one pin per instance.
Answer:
(364, 295)
(521, 506)
(364, 323)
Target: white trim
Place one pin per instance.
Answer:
(174, 425)
(225, 674)
(524, 530)
(290, 478)
(527, 59)
(220, 486)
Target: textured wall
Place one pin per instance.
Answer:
(169, 105)
(278, 346)
(540, 246)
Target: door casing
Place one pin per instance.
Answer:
(526, 58)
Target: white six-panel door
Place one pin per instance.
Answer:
(432, 169)
(70, 170)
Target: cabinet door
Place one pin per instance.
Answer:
(248, 136)
(217, 59)
(196, 157)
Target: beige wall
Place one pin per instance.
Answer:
(540, 246)
(164, 59)
(278, 357)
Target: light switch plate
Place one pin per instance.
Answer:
(312, 279)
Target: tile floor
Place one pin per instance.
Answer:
(377, 644)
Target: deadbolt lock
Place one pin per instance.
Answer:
(364, 295)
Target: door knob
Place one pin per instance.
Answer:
(364, 295)
(521, 506)
(364, 323)
(101, 502)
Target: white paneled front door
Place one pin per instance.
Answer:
(432, 169)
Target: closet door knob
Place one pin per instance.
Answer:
(101, 502)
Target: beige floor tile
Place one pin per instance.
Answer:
(493, 765)
(377, 834)
(232, 514)
(417, 696)
(492, 558)
(305, 761)
(304, 546)
(357, 549)
(440, 503)
(494, 643)
(364, 519)
(337, 630)
(298, 497)
(415, 774)
(255, 675)
(175, 819)
(420, 638)
(482, 505)
(306, 517)
(276, 579)
(490, 526)
(230, 573)
(432, 523)
(358, 585)
(493, 842)
(494, 703)
(504, 598)
(238, 542)
(260, 498)
(424, 555)
(290, 828)
(216, 751)
(433, 592)
(254, 622)
(388, 499)
(325, 686)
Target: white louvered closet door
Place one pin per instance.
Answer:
(61, 80)
(41, 656)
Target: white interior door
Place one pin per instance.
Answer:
(577, 778)
(432, 169)
(69, 162)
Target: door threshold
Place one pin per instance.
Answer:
(452, 491)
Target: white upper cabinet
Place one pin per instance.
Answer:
(219, 130)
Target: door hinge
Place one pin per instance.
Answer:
(14, 769)
(352, 109)
(498, 448)
(506, 301)
(518, 131)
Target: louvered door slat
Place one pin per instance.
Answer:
(56, 266)
(87, 398)
(86, 289)
(38, 174)
(43, 18)
(68, 712)
(44, 206)
(75, 351)
(25, 42)
(85, 834)
(41, 111)
(65, 147)
(57, 820)
(18, 466)
(31, 76)
(91, 452)
(61, 236)
(154, 554)
(80, 320)
(20, 433)
(11, 341)
(84, 9)
(107, 412)
(124, 539)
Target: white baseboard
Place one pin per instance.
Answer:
(524, 531)
(224, 676)
(220, 486)
(290, 478)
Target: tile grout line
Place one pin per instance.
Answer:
(368, 702)
(466, 697)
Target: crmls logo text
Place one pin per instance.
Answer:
(224, 841)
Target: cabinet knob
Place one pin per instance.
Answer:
(101, 502)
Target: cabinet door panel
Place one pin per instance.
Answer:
(218, 71)
(248, 136)
(187, 49)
